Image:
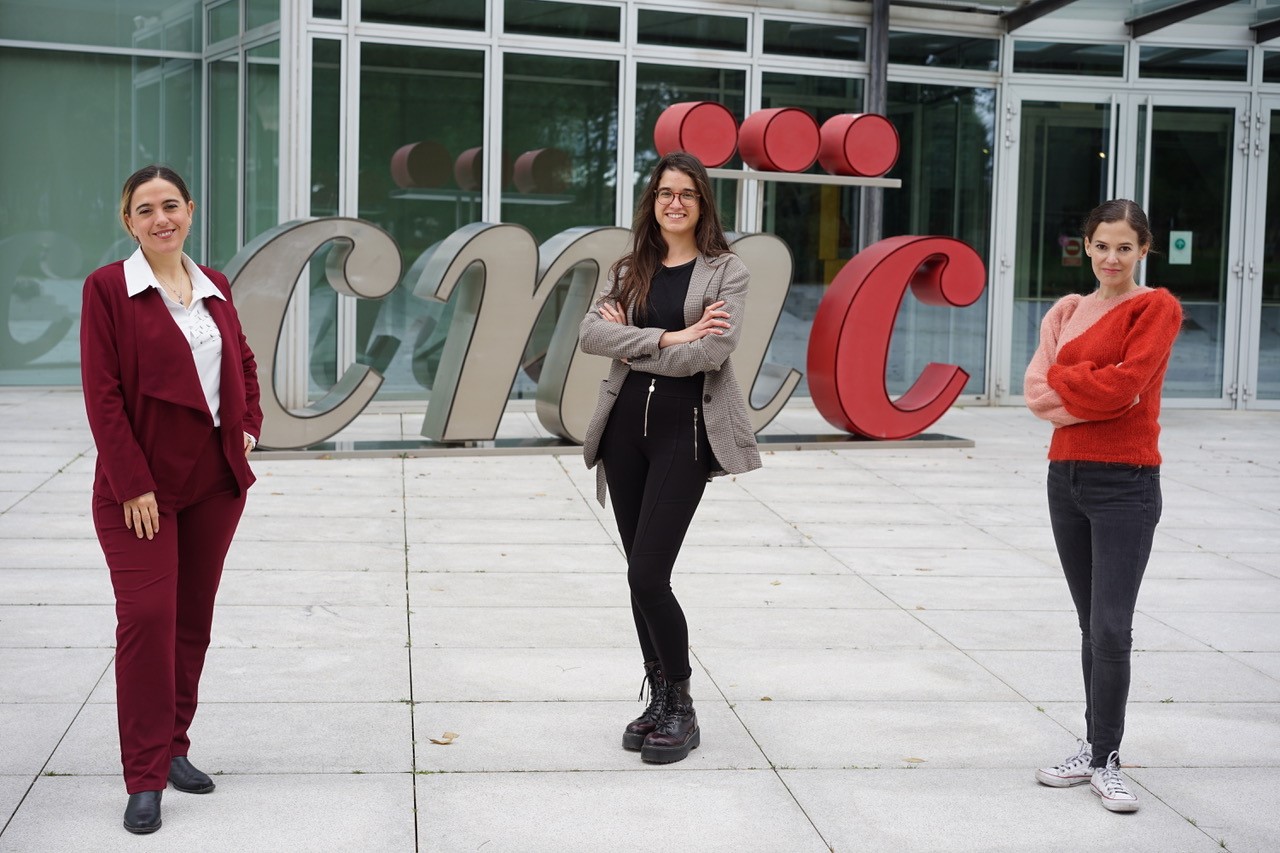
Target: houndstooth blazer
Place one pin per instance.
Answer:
(725, 408)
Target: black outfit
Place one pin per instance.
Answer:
(657, 461)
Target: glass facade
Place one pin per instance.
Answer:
(425, 117)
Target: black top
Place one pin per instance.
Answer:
(667, 292)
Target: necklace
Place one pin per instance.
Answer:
(176, 293)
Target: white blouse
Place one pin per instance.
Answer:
(195, 323)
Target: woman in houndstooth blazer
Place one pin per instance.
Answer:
(670, 416)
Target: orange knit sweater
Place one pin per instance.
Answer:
(1098, 372)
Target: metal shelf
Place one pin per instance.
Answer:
(804, 178)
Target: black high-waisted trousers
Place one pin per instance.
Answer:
(656, 460)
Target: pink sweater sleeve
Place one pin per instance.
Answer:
(1041, 399)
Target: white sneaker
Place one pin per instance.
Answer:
(1074, 771)
(1110, 786)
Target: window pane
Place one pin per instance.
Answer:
(1187, 64)
(431, 97)
(224, 160)
(327, 9)
(326, 128)
(261, 12)
(137, 113)
(175, 24)
(224, 21)
(796, 38)
(660, 86)
(683, 30)
(941, 195)
(1049, 57)
(453, 14)
(819, 223)
(566, 20)
(1271, 67)
(261, 139)
(563, 112)
(939, 51)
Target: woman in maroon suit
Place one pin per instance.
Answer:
(171, 390)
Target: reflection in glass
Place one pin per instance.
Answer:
(261, 139)
(808, 39)
(326, 9)
(1183, 63)
(1062, 175)
(942, 51)
(686, 30)
(941, 195)
(564, 113)
(224, 21)
(1052, 57)
(1191, 174)
(58, 219)
(432, 98)
(326, 130)
(259, 13)
(224, 160)
(562, 20)
(451, 14)
(164, 25)
(1269, 313)
(660, 86)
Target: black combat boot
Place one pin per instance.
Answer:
(677, 731)
(634, 735)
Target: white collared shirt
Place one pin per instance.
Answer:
(196, 323)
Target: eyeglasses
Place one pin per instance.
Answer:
(687, 197)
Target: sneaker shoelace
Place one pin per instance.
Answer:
(1111, 782)
(1082, 757)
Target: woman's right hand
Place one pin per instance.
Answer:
(142, 515)
(714, 321)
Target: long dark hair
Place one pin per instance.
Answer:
(140, 177)
(634, 271)
(1120, 210)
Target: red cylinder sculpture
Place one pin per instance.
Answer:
(468, 169)
(542, 170)
(705, 129)
(858, 144)
(420, 164)
(784, 139)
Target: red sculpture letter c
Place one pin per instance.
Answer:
(849, 344)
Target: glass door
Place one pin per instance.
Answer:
(1259, 383)
(1058, 164)
(1194, 153)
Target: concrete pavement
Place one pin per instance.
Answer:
(883, 647)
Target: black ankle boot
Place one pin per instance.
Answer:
(677, 732)
(142, 815)
(633, 736)
(187, 778)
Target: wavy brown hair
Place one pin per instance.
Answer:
(634, 271)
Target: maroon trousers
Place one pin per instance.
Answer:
(164, 590)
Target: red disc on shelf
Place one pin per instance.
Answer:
(784, 139)
(468, 169)
(421, 164)
(858, 144)
(705, 129)
(542, 170)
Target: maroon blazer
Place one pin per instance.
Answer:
(146, 408)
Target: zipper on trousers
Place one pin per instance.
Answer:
(695, 433)
(652, 383)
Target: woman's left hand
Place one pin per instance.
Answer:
(248, 445)
(611, 312)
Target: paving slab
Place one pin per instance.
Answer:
(1235, 806)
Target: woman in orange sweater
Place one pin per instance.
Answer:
(1096, 377)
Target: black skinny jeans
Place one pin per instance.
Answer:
(656, 461)
(1104, 517)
